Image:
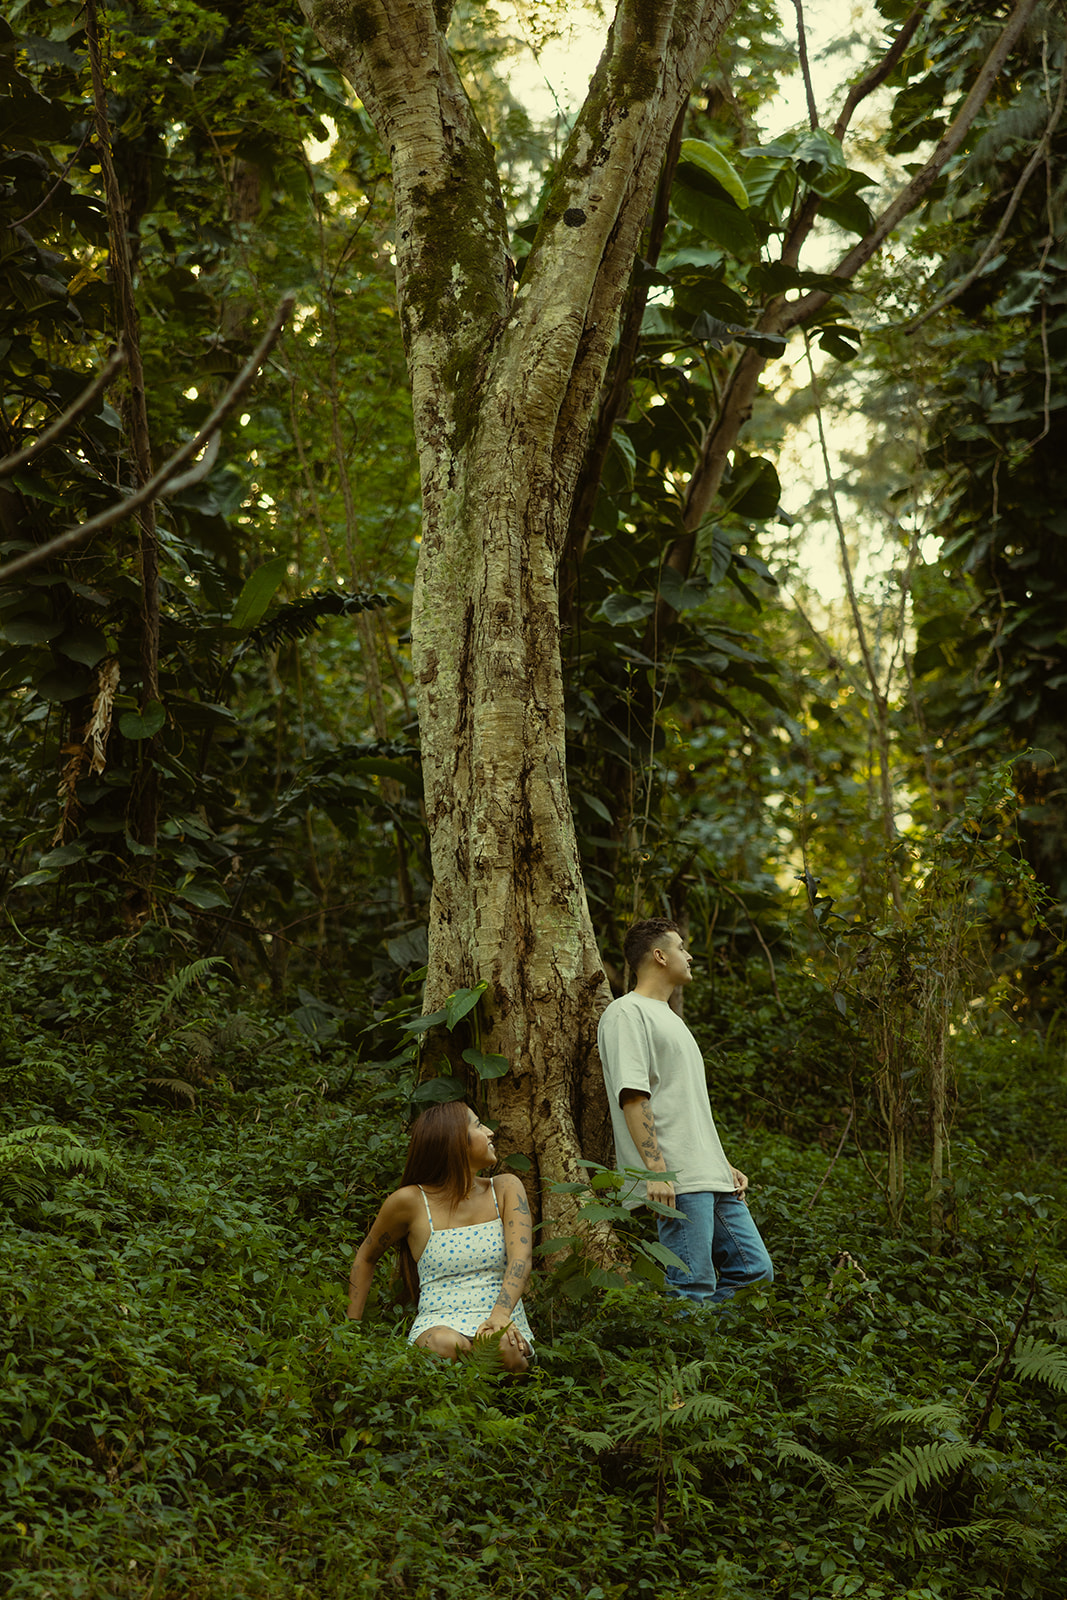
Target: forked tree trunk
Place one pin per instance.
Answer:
(503, 391)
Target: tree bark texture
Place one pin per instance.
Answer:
(504, 388)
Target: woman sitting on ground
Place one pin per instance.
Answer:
(464, 1242)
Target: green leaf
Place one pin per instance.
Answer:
(754, 490)
(258, 592)
(63, 683)
(716, 220)
(204, 897)
(714, 550)
(486, 1066)
(518, 1162)
(84, 644)
(32, 630)
(621, 610)
(433, 1019)
(439, 1091)
(597, 807)
(457, 1005)
(142, 725)
(64, 856)
(713, 164)
(681, 594)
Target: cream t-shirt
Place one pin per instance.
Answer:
(644, 1045)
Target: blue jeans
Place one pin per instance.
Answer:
(715, 1236)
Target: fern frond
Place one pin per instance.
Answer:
(699, 1408)
(29, 1155)
(176, 1086)
(179, 984)
(1035, 1358)
(300, 618)
(900, 1476)
(591, 1439)
(934, 1415)
(831, 1475)
(1002, 1530)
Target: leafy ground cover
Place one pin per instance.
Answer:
(185, 1411)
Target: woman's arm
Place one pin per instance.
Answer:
(388, 1228)
(518, 1243)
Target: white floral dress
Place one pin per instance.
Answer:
(460, 1274)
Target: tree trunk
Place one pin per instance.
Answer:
(503, 392)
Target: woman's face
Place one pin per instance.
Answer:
(480, 1141)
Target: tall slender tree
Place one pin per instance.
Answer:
(505, 385)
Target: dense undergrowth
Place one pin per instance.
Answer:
(186, 1412)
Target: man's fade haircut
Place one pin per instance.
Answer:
(643, 937)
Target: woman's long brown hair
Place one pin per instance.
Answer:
(438, 1156)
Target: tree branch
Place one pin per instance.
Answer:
(877, 75)
(66, 420)
(781, 315)
(964, 283)
(797, 311)
(166, 480)
(805, 65)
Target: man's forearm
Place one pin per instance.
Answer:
(642, 1126)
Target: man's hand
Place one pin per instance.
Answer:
(661, 1191)
(740, 1183)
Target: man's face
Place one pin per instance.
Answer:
(676, 958)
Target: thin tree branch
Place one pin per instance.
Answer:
(834, 1161)
(994, 1387)
(163, 481)
(66, 420)
(877, 75)
(22, 221)
(964, 283)
(805, 65)
(905, 201)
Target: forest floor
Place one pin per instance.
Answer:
(186, 1412)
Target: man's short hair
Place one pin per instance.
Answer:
(644, 937)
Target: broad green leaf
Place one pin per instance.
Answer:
(754, 491)
(681, 594)
(409, 776)
(84, 644)
(433, 1019)
(597, 807)
(64, 856)
(839, 342)
(623, 609)
(34, 880)
(719, 221)
(457, 1005)
(714, 165)
(439, 1091)
(258, 592)
(31, 630)
(142, 725)
(63, 683)
(486, 1066)
(203, 896)
(714, 550)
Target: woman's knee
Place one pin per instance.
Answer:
(442, 1341)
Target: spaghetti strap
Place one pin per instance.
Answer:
(492, 1185)
(426, 1203)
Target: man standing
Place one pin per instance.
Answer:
(661, 1116)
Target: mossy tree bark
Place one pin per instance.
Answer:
(504, 387)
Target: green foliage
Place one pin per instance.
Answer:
(183, 1399)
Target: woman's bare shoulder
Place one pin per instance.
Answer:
(510, 1185)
